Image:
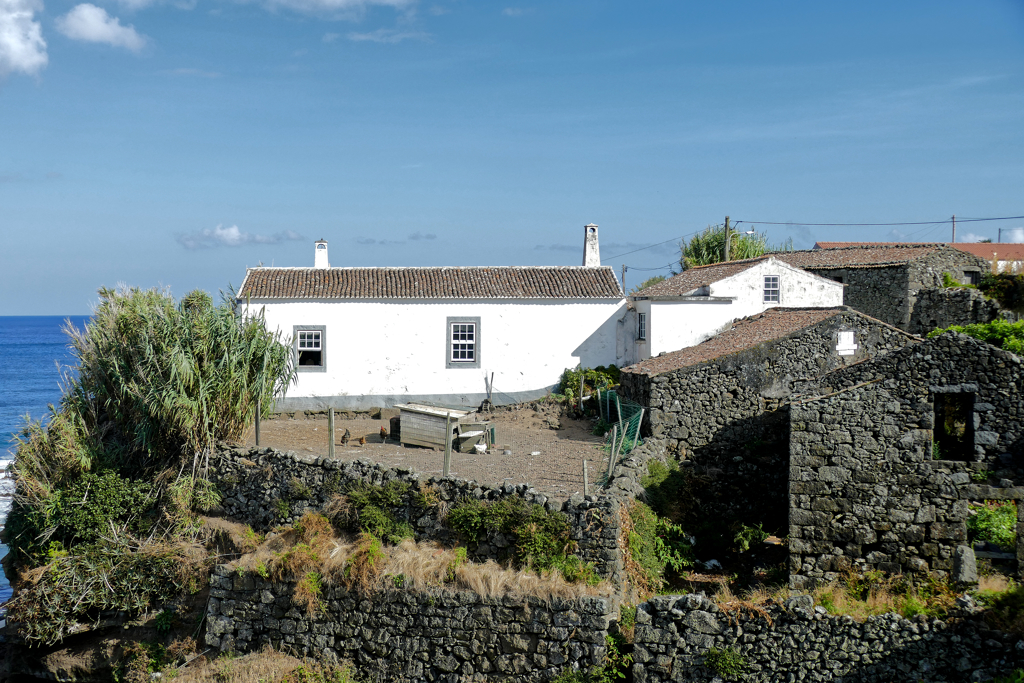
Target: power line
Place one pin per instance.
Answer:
(963, 220)
(681, 237)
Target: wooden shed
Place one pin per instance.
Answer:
(425, 425)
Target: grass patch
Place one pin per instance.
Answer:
(369, 508)
(726, 662)
(873, 593)
(653, 547)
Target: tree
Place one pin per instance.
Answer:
(647, 283)
(709, 247)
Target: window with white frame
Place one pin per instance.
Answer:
(463, 343)
(641, 326)
(847, 343)
(310, 348)
(771, 289)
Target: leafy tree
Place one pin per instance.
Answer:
(647, 283)
(709, 247)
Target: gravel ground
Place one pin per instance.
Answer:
(549, 459)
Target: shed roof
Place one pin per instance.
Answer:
(500, 282)
(1001, 251)
(746, 333)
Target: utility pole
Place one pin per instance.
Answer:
(954, 228)
(623, 278)
(727, 239)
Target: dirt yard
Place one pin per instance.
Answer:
(551, 460)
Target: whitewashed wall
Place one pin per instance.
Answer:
(673, 325)
(382, 352)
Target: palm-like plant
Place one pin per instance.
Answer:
(709, 247)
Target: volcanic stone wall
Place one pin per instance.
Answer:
(730, 414)
(940, 308)
(265, 488)
(400, 635)
(890, 292)
(675, 634)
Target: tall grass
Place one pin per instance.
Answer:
(708, 247)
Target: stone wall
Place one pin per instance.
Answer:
(940, 308)
(259, 484)
(799, 642)
(730, 415)
(400, 635)
(865, 491)
(890, 293)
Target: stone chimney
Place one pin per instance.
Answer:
(320, 255)
(591, 252)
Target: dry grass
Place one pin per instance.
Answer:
(751, 602)
(365, 563)
(267, 666)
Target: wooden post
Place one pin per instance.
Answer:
(727, 240)
(618, 410)
(611, 455)
(586, 482)
(447, 443)
(636, 434)
(579, 405)
(258, 411)
(954, 228)
(330, 433)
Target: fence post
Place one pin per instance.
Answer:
(586, 481)
(618, 410)
(330, 432)
(611, 455)
(636, 434)
(447, 443)
(259, 409)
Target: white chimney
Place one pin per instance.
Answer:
(591, 252)
(320, 255)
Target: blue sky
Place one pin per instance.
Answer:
(174, 142)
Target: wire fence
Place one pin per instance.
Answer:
(624, 416)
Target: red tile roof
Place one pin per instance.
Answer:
(774, 323)
(503, 282)
(1001, 251)
(699, 276)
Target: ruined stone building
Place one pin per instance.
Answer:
(722, 406)
(885, 456)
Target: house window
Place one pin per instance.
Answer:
(310, 348)
(847, 343)
(953, 435)
(771, 289)
(641, 326)
(463, 336)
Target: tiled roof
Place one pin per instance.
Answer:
(1001, 251)
(699, 276)
(859, 256)
(774, 323)
(503, 282)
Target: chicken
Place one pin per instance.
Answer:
(383, 435)
(362, 441)
(345, 437)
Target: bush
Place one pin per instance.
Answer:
(370, 508)
(725, 662)
(1006, 288)
(602, 377)
(655, 546)
(1000, 333)
(993, 522)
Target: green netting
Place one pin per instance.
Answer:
(625, 415)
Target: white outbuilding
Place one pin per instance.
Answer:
(371, 337)
(699, 302)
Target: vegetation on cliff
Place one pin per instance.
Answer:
(1000, 333)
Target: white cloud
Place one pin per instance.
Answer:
(231, 237)
(971, 237)
(512, 11)
(330, 37)
(92, 24)
(387, 35)
(1013, 235)
(193, 72)
(417, 236)
(22, 47)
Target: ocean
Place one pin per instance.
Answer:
(30, 349)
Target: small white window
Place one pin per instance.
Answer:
(310, 348)
(641, 326)
(771, 289)
(463, 342)
(847, 343)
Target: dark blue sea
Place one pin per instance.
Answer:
(30, 349)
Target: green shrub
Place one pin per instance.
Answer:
(281, 508)
(656, 546)
(371, 508)
(1006, 288)
(85, 509)
(749, 536)
(725, 662)
(993, 522)
(602, 377)
(1005, 335)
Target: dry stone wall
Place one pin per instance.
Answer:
(400, 635)
(940, 308)
(265, 488)
(730, 414)
(801, 642)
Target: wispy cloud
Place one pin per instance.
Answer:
(343, 9)
(231, 237)
(417, 236)
(971, 237)
(330, 37)
(1014, 235)
(22, 48)
(557, 247)
(372, 242)
(199, 73)
(92, 24)
(513, 11)
(388, 35)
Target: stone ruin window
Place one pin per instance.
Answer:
(972, 277)
(953, 434)
(992, 533)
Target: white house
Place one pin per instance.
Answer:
(699, 302)
(367, 337)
